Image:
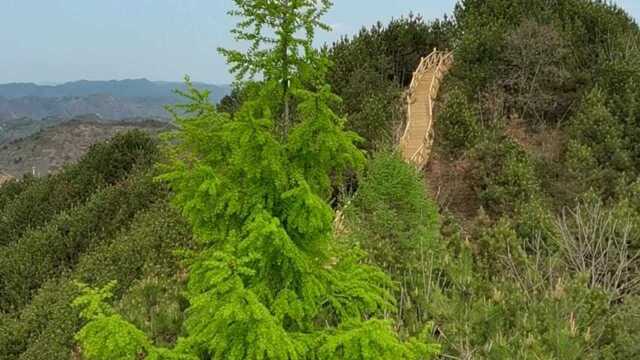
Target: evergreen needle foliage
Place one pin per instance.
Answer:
(268, 281)
(287, 58)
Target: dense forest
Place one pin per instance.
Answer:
(519, 240)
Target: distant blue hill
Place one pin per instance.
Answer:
(130, 88)
(109, 100)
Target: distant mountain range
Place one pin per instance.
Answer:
(130, 88)
(115, 99)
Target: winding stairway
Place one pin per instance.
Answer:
(417, 139)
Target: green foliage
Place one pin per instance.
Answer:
(260, 283)
(533, 73)
(13, 188)
(510, 284)
(105, 164)
(520, 47)
(374, 106)
(264, 277)
(154, 305)
(286, 59)
(457, 126)
(240, 93)
(45, 328)
(623, 332)
(267, 282)
(372, 340)
(393, 221)
(392, 51)
(92, 301)
(504, 175)
(391, 217)
(54, 248)
(598, 154)
(501, 296)
(288, 17)
(493, 243)
(108, 335)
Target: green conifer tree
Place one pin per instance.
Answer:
(280, 33)
(267, 282)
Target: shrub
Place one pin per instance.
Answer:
(504, 175)
(595, 241)
(392, 214)
(373, 106)
(533, 73)
(156, 306)
(618, 79)
(621, 338)
(498, 37)
(393, 220)
(502, 296)
(44, 329)
(457, 123)
(53, 249)
(13, 188)
(597, 154)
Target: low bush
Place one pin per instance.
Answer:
(597, 156)
(373, 106)
(623, 332)
(458, 125)
(504, 175)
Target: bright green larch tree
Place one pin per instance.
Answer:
(268, 281)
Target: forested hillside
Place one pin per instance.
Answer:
(519, 240)
(102, 219)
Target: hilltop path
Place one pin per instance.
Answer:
(417, 139)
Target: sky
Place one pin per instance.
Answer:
(54, 41)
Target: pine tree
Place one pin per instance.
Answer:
(268, 280)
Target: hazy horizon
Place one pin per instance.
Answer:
(50, 83)
(158, 40)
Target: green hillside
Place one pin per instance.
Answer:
(520, 239)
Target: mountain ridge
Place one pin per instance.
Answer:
(126, 88)
(111, 99)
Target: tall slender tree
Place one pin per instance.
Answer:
(268, 281)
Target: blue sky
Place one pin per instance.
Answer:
(61, 40)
